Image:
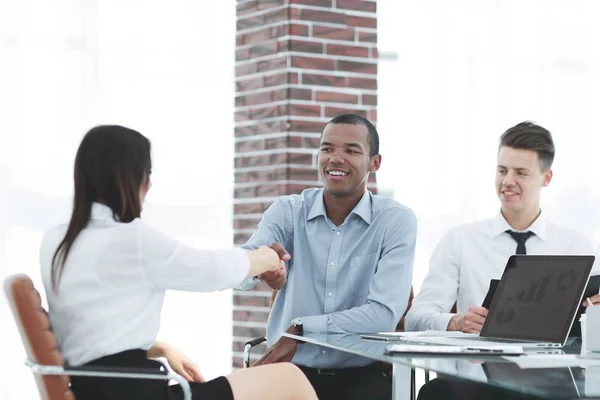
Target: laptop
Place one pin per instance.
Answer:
(534, 305)
(592, 288)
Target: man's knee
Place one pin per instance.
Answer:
(438, 388)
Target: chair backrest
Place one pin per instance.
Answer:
(38, 339)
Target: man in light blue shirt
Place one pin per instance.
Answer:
(351, 263)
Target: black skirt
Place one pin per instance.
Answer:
(142, 389)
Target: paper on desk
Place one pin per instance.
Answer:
(552, 361)
(428, 333)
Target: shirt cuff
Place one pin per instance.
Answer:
(441, 321)
(315, 323)
(248, 283)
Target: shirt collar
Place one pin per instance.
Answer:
(101, 212)
(362, 209)
(500, 225)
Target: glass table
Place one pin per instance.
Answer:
(565, 374)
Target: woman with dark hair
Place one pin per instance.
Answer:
(106, 273)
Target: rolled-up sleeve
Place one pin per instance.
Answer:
(390, 285)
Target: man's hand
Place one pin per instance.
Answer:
(595, 300)
(282, 351)
(470, 321)
(281, 252)
(276, 279)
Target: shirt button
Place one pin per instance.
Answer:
(330, 294)
(332, 263)
(338, 233)
(324, 352)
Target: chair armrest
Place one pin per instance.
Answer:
(248, 346)
(255, 342)
(110, 372)
(84, 369)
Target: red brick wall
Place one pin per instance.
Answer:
(299, 63)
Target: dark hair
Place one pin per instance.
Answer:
(530, 136)
(111, 165)
(353, 119)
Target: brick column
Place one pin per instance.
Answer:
(299, 63)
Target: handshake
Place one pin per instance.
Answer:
(267, 263)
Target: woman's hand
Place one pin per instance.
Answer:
(177, 361)
(183, 365)
(264, 259)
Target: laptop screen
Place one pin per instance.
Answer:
(538, 297)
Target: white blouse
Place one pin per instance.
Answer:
(113, 284)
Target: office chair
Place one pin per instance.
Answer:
(44, 358)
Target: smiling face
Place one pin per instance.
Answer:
(519, 180)
(344, 161)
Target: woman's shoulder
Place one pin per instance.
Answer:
(53, 236)
(95, 232)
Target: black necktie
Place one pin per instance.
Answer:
(520, 238)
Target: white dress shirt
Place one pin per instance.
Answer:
(469, 256)
(113, 284)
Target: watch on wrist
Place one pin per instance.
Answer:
(297, 323)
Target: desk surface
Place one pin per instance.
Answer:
(548, 382)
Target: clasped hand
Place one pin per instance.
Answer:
(276, 279)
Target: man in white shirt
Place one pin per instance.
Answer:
(469, 256)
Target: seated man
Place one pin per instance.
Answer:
(351, 262)
(469, 256)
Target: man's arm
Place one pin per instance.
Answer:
(272, 228)
(388, 293)
(583, 245)
(586, 246)
(430, 308)
(389, 289)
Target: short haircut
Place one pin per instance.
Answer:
(530, 136)
(353, 119)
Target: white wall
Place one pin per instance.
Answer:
(163, 68)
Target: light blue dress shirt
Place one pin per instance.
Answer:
(352, 278)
